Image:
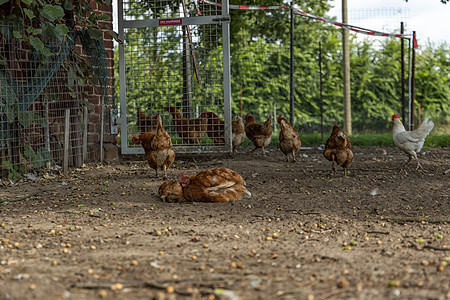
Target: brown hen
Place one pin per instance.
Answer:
(158, 148)
(260, 135)
(337, 149)
(191, 131)
(145, 123)
(215, 127)
(212, 185)
(237, 129)
(289, 140)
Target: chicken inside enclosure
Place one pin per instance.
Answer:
(289, 140)
(191, 131)
(158, 148)
(260, 135)
(145, 123)
(237, 126)
(215, 127)
(410, 142)
(337, 149)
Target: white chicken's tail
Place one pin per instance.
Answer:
(422, 132)
(426, 126)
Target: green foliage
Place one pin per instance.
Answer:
(260, 68)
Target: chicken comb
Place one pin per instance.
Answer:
(180, 178)
(395, 116)
(335, 123)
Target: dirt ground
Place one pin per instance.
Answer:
(102, 232)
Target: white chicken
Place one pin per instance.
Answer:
(410, 142)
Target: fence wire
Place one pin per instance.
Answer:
(35, 93)
(175, 71)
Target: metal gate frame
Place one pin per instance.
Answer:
(224, 20)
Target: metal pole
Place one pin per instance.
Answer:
(187, 87)
(226, 76)
(413, 75)
(320, 90)
(346, 63)
(292, 68)
(409, 83)
(402, 76)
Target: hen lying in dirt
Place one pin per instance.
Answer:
(212, 185)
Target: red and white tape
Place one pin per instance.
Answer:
(302, 13)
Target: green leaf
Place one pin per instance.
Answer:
(62, 29)
(27, 118)
(27, 2)
(36, 43)
(44, 153)
(35, 31)
(54, 11)
(49, 30)
(29, 13)
(104, 17)
(68, 5)
(95, 33)
(29, 152)
(17, 35)
(46, 52)
(35, 158)
(88, 7)
(3, 1)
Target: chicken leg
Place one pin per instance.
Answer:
(411, 156)
(333, 164)
(165, 173)
(293, 156)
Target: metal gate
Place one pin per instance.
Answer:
(175, 61)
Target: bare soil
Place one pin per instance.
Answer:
(102, 232)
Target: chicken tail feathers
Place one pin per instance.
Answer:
(427, 126)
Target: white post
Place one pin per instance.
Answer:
(226, 75)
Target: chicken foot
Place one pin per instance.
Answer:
(264, 152)
(411, 156)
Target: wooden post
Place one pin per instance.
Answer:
(47, 132)
(85, 133)
(346, 70)
(66, 141)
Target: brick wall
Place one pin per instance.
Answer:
(94, 124)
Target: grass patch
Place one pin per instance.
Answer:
(434, 140)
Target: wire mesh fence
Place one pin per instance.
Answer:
(43, 110)
(260, 70)
(175, 71)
